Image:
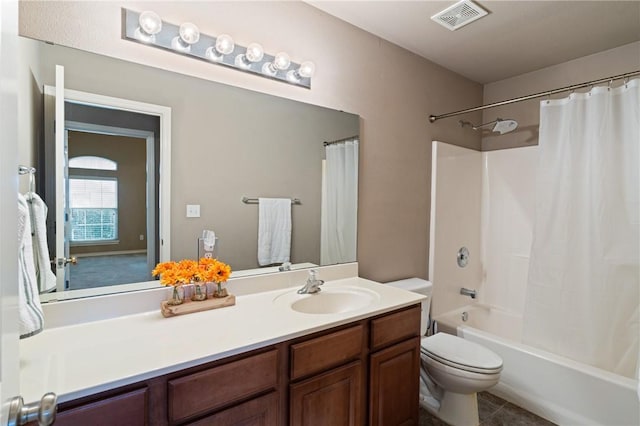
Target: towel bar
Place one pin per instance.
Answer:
(248, 200)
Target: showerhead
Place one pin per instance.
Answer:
(500, 126)
(505, 126)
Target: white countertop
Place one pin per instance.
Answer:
(79, 360)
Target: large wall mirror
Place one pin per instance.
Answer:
(226, 143)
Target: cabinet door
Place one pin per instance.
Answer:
(334, 398)
(395, 385)
(128, 409)
(261, 411)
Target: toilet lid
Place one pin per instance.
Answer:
(460, 353)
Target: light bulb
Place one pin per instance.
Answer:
(189, 34)
(280, 62)
(307, 69)
(254, 53)
(223, 46)
(150, 24)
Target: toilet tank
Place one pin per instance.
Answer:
(420, 286)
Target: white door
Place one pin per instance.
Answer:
(62, 186)
(9, 364)
(12, 411)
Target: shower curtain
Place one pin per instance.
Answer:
(339, 203)
(582, 297)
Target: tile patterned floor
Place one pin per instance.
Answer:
(493, 411)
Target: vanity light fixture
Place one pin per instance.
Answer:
(186, 39)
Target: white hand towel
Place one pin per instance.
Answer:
(45, 276)
(31, 319)
(274, 230)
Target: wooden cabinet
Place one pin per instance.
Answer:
(358, 373)
(334, 398)
(394, 384)
(394, 368)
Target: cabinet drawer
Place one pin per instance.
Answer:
(261, 411)
(207, 390)
(326, 351)
(125, 409)
(395, 327)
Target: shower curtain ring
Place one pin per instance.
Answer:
(610, 84)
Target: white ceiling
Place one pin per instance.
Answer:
(514, 38)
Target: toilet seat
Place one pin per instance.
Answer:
(459, 353)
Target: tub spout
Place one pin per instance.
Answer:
(468, 292)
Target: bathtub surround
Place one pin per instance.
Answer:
(456, 190)
(539, 381)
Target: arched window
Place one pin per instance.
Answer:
(93, 200)
(93, 163)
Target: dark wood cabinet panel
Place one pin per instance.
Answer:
(395, 327)
(205, 391)
(334, 398)
(262, 411)
(127, 409)
(394, 385)
(328, 351)
(330, 378)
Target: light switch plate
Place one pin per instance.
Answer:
(193, 210)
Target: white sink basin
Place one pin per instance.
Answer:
(330, 300)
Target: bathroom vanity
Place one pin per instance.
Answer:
(278, 366)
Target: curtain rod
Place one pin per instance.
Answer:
(340, 140)
(433, 118)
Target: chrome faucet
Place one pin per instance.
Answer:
(468, 292)
(313, 284)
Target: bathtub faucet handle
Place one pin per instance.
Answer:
(468, 292)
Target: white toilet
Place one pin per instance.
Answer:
(452, 369)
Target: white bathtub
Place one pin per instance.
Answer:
(563, 391)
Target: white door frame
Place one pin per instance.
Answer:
(9, 348)
(164, 114)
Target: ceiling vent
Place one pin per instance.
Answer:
(460, 14)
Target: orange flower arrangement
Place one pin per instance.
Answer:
(186, 271)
